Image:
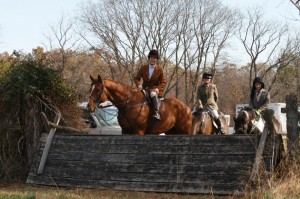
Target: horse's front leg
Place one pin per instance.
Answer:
(140, 132)
(133, 132)
(196, 127)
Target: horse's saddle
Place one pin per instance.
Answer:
(197, 112)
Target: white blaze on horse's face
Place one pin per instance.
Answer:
(97, 95)
(247, 115)
(92, 102)
(92, 88)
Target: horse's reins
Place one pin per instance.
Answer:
(100, 96)
(255, 123)
(126, 107)
(126, 102)
(105, 120)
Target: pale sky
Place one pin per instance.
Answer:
(23, 23)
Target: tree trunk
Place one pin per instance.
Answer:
(32, 128)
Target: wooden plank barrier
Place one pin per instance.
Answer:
(268, 129)
(293, 117)
(218, 164)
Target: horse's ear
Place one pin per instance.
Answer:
(99, 78)
(91, 77)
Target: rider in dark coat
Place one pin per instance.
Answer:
(259, 98)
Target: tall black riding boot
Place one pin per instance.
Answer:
(156, 105)
(219, 124)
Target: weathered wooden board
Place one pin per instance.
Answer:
(219, 164)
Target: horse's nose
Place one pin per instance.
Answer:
(91, 109)
(91, 105)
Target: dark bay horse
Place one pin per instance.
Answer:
(135, 113)
(202, 123)
(249, 121)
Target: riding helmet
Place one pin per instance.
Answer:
(153, 53)
(259, 80)
(207, 75)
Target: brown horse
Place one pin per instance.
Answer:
(135, 113)
(249, 121)
(202, 123)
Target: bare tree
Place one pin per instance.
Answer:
(189, 36)
(62, 39)
(129, 29)
(271, 41)
(296, 4)
(213, 24)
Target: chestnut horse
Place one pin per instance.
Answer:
(135, 113)
(249, 121)
(202, 123)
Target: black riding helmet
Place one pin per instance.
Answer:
(259, 80)
(207, 75)
(153, 53)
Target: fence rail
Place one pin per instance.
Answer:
(219, 164)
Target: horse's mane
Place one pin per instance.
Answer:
(242, 115)
(132, 89)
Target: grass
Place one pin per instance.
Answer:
(283, 185)
(21, 191)
(286, 186)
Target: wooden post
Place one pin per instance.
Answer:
(47, 145)
(292, 126)
(268, 114)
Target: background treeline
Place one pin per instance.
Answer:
(113, 38)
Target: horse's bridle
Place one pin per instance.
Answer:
(100, 96)
(126, 102)
(253, 126)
